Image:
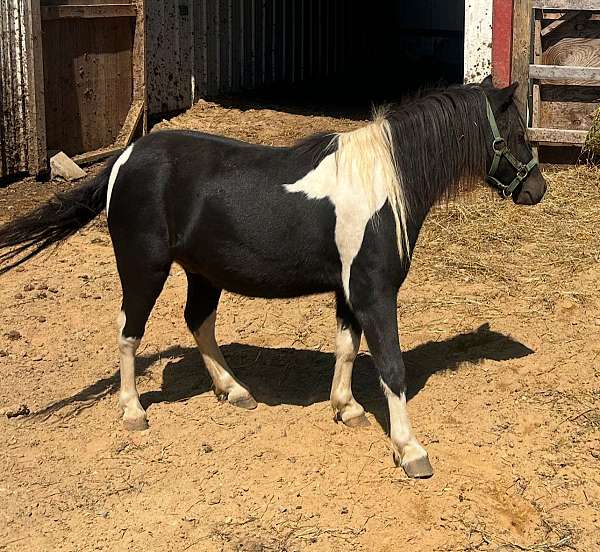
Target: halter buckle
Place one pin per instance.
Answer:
(499, 145)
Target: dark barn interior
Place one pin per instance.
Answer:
(327, 53)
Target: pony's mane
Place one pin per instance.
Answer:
(440, 144)
(426, 149)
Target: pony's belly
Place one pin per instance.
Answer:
(261, 276)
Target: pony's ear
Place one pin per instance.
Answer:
(488, 82)
(503, 97)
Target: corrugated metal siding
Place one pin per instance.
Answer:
(13, 88)
(203, 48)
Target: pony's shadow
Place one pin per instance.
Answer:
(299, 376)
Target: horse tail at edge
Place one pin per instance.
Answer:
(52, 223)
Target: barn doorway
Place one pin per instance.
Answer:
(333, 54)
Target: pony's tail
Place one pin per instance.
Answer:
(53, 222)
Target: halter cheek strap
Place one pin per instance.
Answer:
(501, 150)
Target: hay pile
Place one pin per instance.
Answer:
(546, 253)
(592, 141)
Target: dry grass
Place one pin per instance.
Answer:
(592, 141)
(491, 240)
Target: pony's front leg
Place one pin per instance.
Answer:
(347, 342)
(378, 319)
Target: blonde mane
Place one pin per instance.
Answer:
(366, 155)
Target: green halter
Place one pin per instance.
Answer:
(501, 150)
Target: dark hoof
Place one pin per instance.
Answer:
(357, 421)
(416, 469)
(135, 424)
(247, 403)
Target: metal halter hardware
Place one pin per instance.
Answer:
(501, 150)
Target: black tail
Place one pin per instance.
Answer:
(61, 217)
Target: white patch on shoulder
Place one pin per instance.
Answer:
(114, 172)
(354, 206)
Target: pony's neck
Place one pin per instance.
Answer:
(439, 143)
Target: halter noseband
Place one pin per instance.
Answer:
(501, 150)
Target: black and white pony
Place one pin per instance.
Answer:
(335, 213)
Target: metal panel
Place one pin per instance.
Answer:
(13, 88)
(204, 48)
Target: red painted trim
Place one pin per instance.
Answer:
(502, 41)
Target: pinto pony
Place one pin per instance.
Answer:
(334, 213)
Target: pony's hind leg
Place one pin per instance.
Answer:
(347, 342)
(141, 288)
(200, 316)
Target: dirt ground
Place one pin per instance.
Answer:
(499, 319)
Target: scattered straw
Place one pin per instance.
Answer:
(592, 141)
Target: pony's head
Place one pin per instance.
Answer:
(511, 166)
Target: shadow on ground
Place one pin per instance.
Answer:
(299, 376)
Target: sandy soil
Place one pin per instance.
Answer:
(499, 319)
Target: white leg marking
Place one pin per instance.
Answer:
(114, 173)
(224, 381)
(403, 439)
(134, 416)
(342, 400)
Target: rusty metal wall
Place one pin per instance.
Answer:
(13, 88)
(204, 48)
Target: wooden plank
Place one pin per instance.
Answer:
(591, 16)
(130, 125)
(97, 155)
(38, 156)
(566, 4)
(139, 69)
(564, 73)
(558, 22)
(91, 11)
(88, 81)
(557, 136)
(521, 52)
(567, 114)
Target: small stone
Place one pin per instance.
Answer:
(206, 448)
(214, 499)
(13, 335)
(63, 166)
(41, 319)
(15, 412)
(28, 287)
(42, 285)
(18, 295)
(292, 460)
(282, 509)
(53, 290)
(3, 353)
(41, 295)
(344, 510)
(102, 513)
